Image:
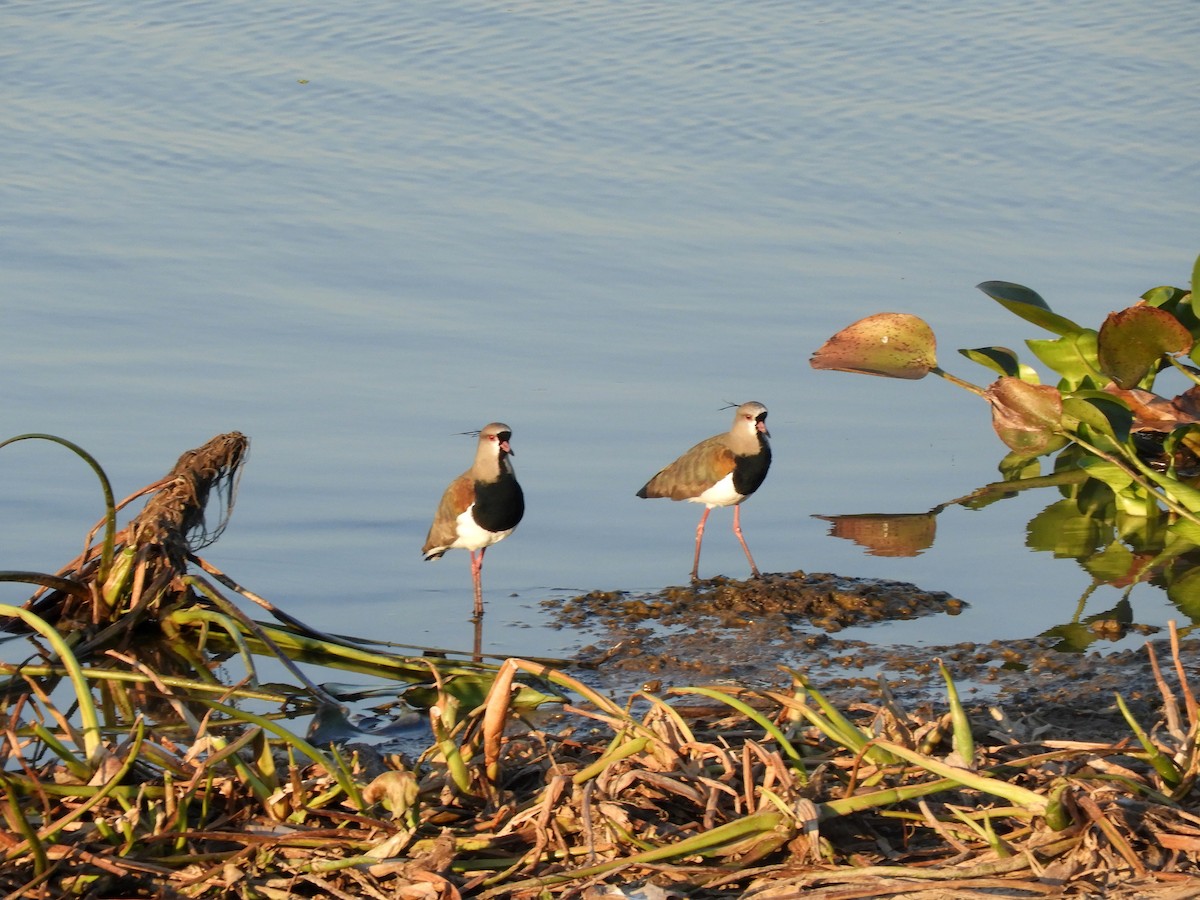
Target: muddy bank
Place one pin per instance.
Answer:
(745, 631)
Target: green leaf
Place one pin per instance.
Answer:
(1110, 474)
(1165, 297)
(1101, 413)
(1177, 302)
(1132, 342)
(1195, 276)
(1182, 493)
(1016, 466)
(1000, 360)
(1183, 533)
(1183, 442)
(893, 345)
(1027, 304)
(1073, 356)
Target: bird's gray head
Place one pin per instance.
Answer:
(751, 415)
(497, 435)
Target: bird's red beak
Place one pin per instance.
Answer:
(761, 425)
(506, 448)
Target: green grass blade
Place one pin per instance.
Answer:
(347, 785)
(1163, 764)
(88, 718)
(1015, 794)
(751, 713)
(964, 741)
(110, 504)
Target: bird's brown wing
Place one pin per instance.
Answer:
(693, 473)
(459, 495)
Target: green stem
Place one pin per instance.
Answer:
(751, 713)
(748, 826)
(1188, 371)
(110, 504)
(1134, 472)
(348, 786)
(83, 693)
(954, 379)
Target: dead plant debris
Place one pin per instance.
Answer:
(137, 777)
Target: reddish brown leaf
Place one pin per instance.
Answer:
(1027, 417)
(1133, 340)
(1152, 412)
(1188, 404)
(894, 345)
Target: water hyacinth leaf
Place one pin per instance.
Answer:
(1185, 532)
(1027, 417)
(1195, 276)
(1000, 360)
(1177, 302)
(1028, 304)
(1132, 341)
(1100, 414)
(1016, 466)
(1179, 492)
(1074, 356)
(1165, 297)
(1110, 474)
(893, 345)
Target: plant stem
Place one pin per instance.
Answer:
(954, 379)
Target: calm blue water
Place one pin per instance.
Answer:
(353, 230)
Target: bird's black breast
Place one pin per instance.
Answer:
(750, 471)
(499, 504)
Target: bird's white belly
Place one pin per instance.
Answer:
(471, 536)
(720, 494)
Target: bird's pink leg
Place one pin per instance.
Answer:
(477, 578)
(737, 529)
(699, 538)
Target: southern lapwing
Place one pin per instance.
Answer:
(480, 507)
(721, 471)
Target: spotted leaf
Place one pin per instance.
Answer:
(894, 345)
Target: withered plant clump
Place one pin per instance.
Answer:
(142, 569)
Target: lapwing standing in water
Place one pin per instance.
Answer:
(721, 471)
(480, 507)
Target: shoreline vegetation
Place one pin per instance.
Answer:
(130, 769)
(133, 766)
